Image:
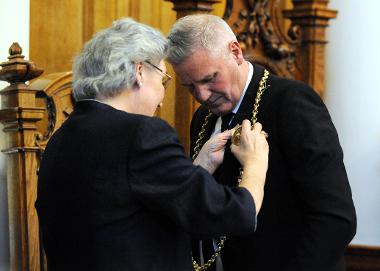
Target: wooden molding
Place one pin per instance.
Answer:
(312, 16)
(362, 258)
(194, 6)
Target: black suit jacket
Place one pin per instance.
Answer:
(307, 217)
(116, 192)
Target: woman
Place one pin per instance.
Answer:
(116, 191)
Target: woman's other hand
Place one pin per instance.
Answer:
(253, 146)
(252, 153)
(212, 153)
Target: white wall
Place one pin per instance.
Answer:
(14, 26)
(353, 98)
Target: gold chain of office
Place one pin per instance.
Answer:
(197, 148)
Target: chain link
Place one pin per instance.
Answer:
(198, 146)
(199, 143)
(262, 87)
(204, 267)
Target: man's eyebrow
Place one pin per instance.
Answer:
(206, 78)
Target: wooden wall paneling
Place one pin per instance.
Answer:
(167, 19)
(150, 13)
(56, 33)
(58, 29)
(105, 12)
(122, 9)
(133, 8)
(88, 20)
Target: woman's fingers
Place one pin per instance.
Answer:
(226, 134)
(257, 127)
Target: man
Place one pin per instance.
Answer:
(308, 217)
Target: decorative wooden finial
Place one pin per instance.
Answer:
(17, 69)
(15, 49)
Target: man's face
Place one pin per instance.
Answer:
(213, 81)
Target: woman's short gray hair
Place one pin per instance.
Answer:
(106, 64)
(194, 32)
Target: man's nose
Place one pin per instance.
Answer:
(202, 93)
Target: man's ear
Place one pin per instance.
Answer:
(237, 53)
(139, 74)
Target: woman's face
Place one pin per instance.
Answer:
(152, 88)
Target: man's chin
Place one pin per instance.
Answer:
(220, 111)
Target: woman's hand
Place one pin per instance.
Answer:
(212, 153)
(252, 153)
(253, 146)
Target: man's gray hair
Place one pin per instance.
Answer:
(195, 32)
(106, 64)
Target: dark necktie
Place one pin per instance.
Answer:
(226, 121)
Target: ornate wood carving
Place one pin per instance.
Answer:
(55, 94)
(258, 27)
(19, 115)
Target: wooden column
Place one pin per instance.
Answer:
(313, 17)
(19, 115)
(185, 104)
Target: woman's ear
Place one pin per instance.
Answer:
(139, 74)
(237, 53)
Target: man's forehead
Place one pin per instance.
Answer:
(196, 75)
(194, 69)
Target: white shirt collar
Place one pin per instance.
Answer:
(218, 123)
(249, 79)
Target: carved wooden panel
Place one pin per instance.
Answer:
(55, 95)
(259, 28)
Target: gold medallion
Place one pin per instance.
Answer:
(235, 139)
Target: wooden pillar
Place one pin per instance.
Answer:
(185, 104)
(18, 115)
(313, 17)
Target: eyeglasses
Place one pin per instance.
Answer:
(165, 77)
